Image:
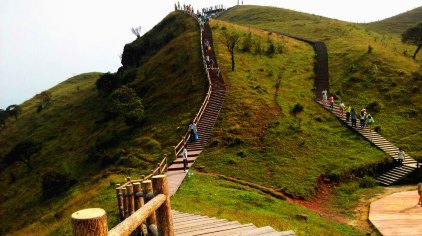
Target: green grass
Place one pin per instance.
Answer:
(384, 78)
(172, 85)
(259, 139)
(214, 197)
(396, 24)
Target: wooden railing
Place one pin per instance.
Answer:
(185, 138)
(150, 210)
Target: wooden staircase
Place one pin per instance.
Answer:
(397, 173)
(206, 122)
(190, 225)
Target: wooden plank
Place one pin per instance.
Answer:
(397, 214)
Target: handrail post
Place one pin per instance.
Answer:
(91, 221)
(119, 193)
(175, 152)
(164, 215)
(125, 203)
(148, 194)
(131, 200)
(167, 163)
(138, 202)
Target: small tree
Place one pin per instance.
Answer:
(231, 40)
(413, 36)
(22, 152)
(107, 83)
(137, 31)
(14, 110)
(127, 103)
(247, 43)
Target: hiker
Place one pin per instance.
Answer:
(362, 119)
(185, 158)
(324, 97)
(342, 107)
(192, 129)
(370, 122)
(207, 59)
(353, 116)
(211, 63)
(400, 157)
(331, 100)
(348, 110)
(420, 193)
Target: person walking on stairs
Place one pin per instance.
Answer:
(362, 119)
(185, 158)
(324, 97)
(348, 110)
(420, 193)
(331, 100)
(353, 116)
(400, 157)
(192, 129)
(342, 107)
(370, 122)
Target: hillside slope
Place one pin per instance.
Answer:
(396, 24)
(80, 139)
(366, 69)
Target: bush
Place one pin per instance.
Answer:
(297, 108)
(247, 43)
(271, 50)
(377, 129)
(126, 102)
(367, 182)
(107, 83)
(370, 48)
(374, 107)
(54, 184)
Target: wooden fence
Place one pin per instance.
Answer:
(149, 210)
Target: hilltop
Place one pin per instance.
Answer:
(94, 148)
(396, 24)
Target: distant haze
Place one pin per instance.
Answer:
(42, 43)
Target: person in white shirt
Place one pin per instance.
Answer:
(185, 158)
(342, 107)
(400, 157)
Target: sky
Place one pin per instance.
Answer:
(45, 42)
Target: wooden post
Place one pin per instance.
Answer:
(125, 203)
(167, 162)
(147, 186)
(138, 200)
(130, 199)
(175, 152)
(119, 193)
(164, 216)
(91, 222)
(159, 168)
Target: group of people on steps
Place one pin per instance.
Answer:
(351, 114)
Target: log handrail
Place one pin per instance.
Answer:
(94, 221)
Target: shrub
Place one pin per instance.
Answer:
(367, 182)
(126, 102)
(370, 48)
(258, 48)
(374, 107)
(377, 129)
(271, 50)
(247, 43)
(54, 183)
(297, 108)
(107, 83)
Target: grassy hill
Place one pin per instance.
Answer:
(80, 139)
(261, 138)
(396, 24)
(382, 78)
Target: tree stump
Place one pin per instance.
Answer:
(90, 222)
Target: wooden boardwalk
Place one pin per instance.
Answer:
(175, 172)
(190, 225)
(397, 214)
(393, 175)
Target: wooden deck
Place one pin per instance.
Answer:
(397, 214)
